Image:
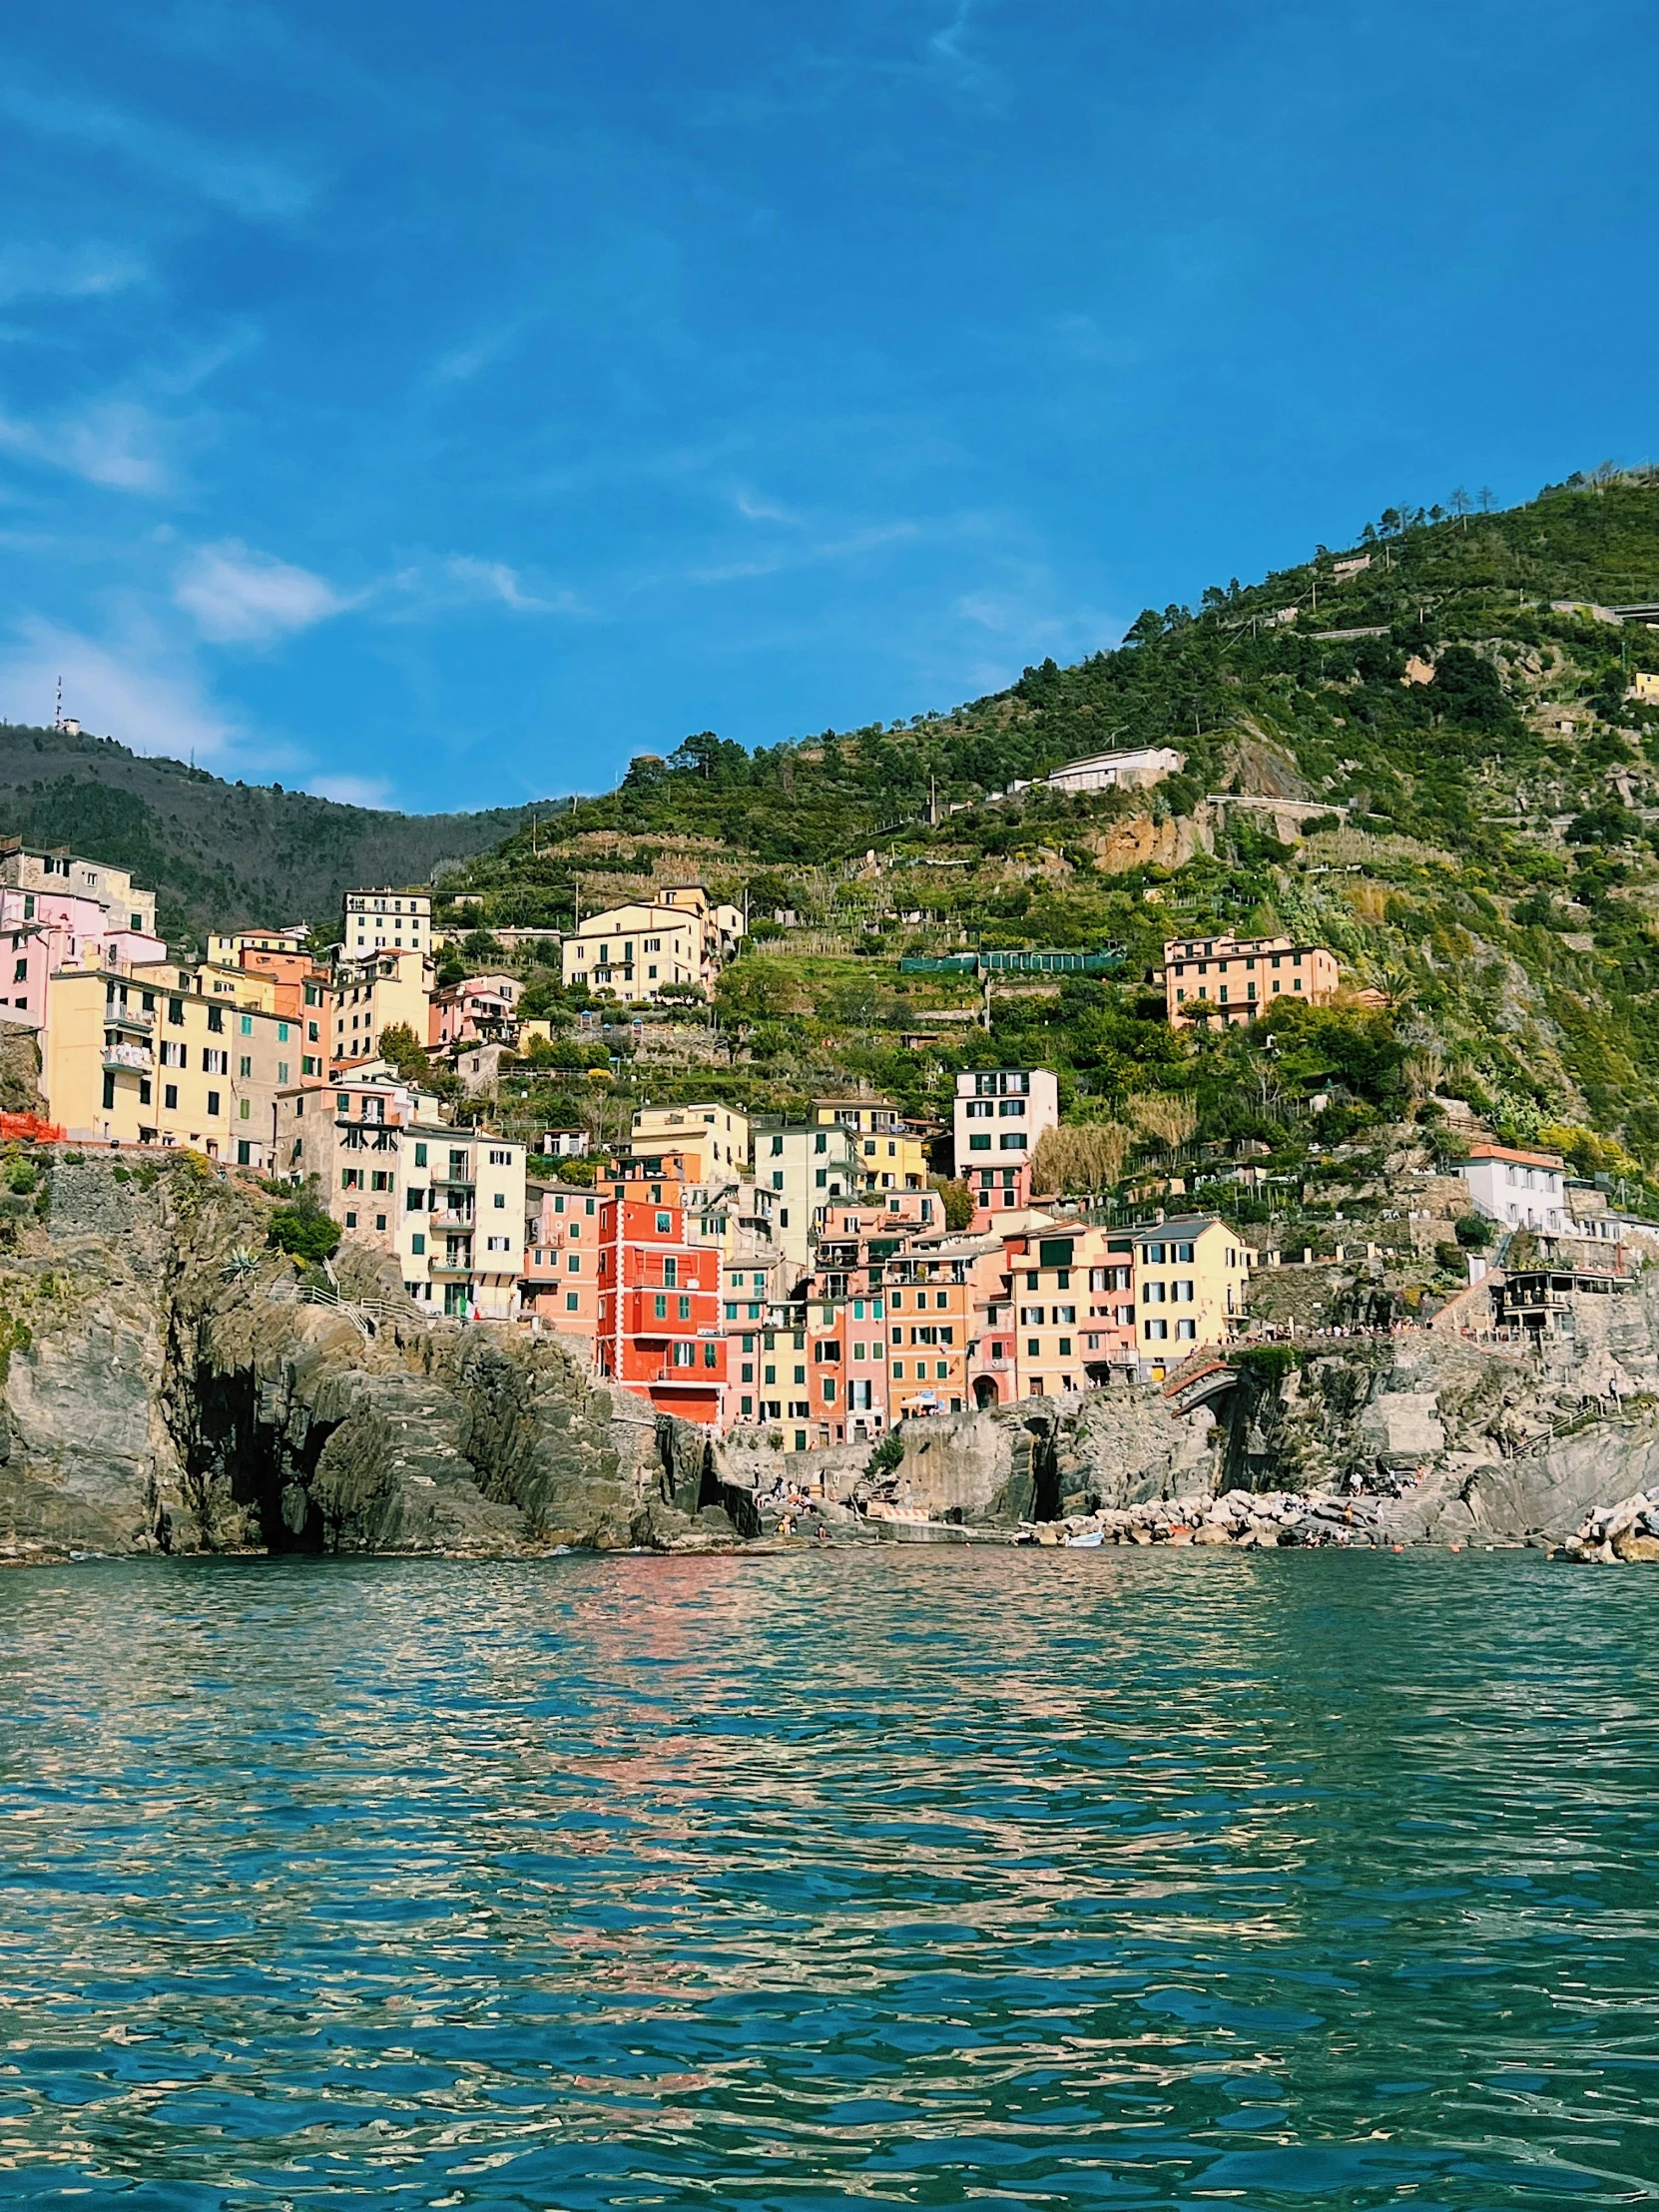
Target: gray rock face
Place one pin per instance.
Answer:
(167, 1388)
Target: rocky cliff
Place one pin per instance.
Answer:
(169, 1384)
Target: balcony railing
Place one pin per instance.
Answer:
(128, 1059)
(128, 1018)
(453, 1216)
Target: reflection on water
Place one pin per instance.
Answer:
(913, 1879)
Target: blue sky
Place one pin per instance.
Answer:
(439, 406)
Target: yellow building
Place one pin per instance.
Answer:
(891, 1155)
(1192, 1275)
(374, 994)
(719, 1135)
(639, 949)
(150, 1060)
(1644, 687)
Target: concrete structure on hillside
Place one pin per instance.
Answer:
(1136, 770)
(639, 949)
(385, 922)
(1000, 1114)
(1228, 980)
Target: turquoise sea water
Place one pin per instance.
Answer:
(899, 1877)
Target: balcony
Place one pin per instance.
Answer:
(128, 1059)
(128, 1018)
(455, 1181)
(456, 1270)
(453, 1216)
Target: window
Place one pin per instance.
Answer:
(144, 1090)
(216, 1018)
(1156, 1331)
(213, 1102)
(1187, 1330)
(244, 1110)
(682, 1308)
(248, 1025)
(420, 1156)
(573, 1263)
(664, 1224)
(1031, 1317)
(979, 1144)
(245, 1066)
(20, 973)
(214, 1063)
(496, 1244)
(1152, 1294)
(573, 1302)
(1011, 1140)
(109, 1090)
(1065, 1317)
(169, 1097)
(1181, 1293)
(350, 1221)
(659, 1307)
(176, 1011)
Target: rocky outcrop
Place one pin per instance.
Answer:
(169, 1385)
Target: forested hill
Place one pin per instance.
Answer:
(1233, 668)
(221, 855)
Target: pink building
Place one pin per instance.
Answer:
(42, 932)
(480, 1008)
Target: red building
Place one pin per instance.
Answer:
(659, 1331)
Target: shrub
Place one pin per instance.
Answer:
(304, 1233)
(1473, 1232)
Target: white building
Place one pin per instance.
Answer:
(1105, 771)
(1000, 1114)
(1522, 1189)
(386, 921)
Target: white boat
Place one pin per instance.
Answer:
(1090, 1543)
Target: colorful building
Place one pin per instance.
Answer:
(1001, 1115)
(449, 1202)
(376, 993)
(659, 1331)
(1229, 981)
(559, 1289)
(644, 947)
(1191, 1279)
(386, 921)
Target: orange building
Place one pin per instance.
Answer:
(659, 1331)
(560, 1285)
(929, 1296)
(1228, 980)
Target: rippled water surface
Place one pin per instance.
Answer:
(906, 1878)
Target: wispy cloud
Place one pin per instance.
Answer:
(133, 691)
(248, 184)
(462, 580)
(351, 791)
(855, 543)
(236, 596)
(114, 442)
(754, 508)
(87, 271)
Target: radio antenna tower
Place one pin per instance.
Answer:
(58, 723)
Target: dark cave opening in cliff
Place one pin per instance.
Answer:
(245, 1479)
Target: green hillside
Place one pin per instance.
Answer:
(1451, 787)
(1481, 847)
(221, 854)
